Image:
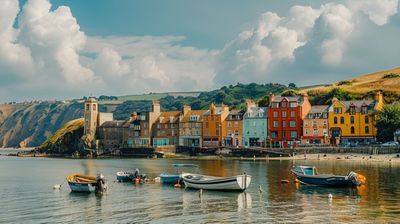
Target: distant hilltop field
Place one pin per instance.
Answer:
(387, 81)
(30, 124)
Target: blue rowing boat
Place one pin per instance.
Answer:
(308, 175)
(173, 178)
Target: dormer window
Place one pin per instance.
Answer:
(275, 105)
(293, 104)
(171, 119)
(193, 118)
(364, 109)
(284, 104)
(352, 109)
(337, 110)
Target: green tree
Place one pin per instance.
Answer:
(388, 121)
(292, 85)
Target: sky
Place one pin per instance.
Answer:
(65, 49)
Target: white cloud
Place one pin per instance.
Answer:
(44, 49)
(379, 12)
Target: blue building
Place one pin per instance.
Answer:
(255, 125)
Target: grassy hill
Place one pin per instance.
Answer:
(156, 96)
(387, 81)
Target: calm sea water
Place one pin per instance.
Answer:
(27, 195)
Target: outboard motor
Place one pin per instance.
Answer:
(356, 179)
(101, 186)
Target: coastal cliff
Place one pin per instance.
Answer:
(29, 125)
(65, 141)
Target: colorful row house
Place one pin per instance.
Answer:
(212, 125)
(287, 122)
(255, 125)
(232, 129)
(315, 126)
(354, 121)
(191, 127)
(285, 119)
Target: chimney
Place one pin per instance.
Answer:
(212, 109)
(186, 109)
(250, 104)
(271, 97)
(379, 96)
(155, 107)
(225, 108)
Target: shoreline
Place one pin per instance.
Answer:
(387, 158)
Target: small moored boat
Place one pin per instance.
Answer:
(173, 178)
(86, 183)
(123, 176)
(234, 183)
(308, 175)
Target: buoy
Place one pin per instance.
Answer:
(157, 179)
(330, 196)
(284, 181)
(260, 189)
(57, 186)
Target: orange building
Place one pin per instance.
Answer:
(232, 129)
(212, 125)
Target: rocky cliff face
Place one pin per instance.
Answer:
(29, 125)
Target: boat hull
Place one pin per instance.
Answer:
(334, 181)
(78, 187)
(170, 178)
(234, 183)
(125, 177)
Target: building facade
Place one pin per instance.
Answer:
(255, 125)
(354, 121)
(166, 129)
(191, 127)
(285, 119)
(232, 129)
(212, 125)
(315, 126)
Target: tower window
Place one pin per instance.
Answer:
(94, 107)
(87, 106)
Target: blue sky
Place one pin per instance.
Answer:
(70, 48)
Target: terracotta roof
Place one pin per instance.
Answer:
(199, 113)
(165, 117)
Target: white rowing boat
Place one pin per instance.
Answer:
(233, 183)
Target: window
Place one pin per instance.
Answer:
(236, 124)
(292, 124)
(284, 124)
(193, 118)
(352, 119)
(229, 124)
(337, 110)
(275, 113)
(306, 131)
(305, 123)
(352, 130)
(275, 105)
(166, 126)
(335, 120)
(274, 134)
(292, 113)
(352, 109)
(283, 134)
(364, 109)
(254, 123)
(229, 132)
(94, 107)
(276, 124)
(87, 106)
(236, 133)
(341, 120)
(293, 134)
(325, 122)
(145, 125)
(325, 132)
(315, 132)
(284, 104)
(293, 104)
(314, 123)
(366, 119)
(283, 113)
(366, 130)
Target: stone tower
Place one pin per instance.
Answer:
(91, 115)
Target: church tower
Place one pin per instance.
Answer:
(91, 115)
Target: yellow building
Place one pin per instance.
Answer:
(354, 121)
